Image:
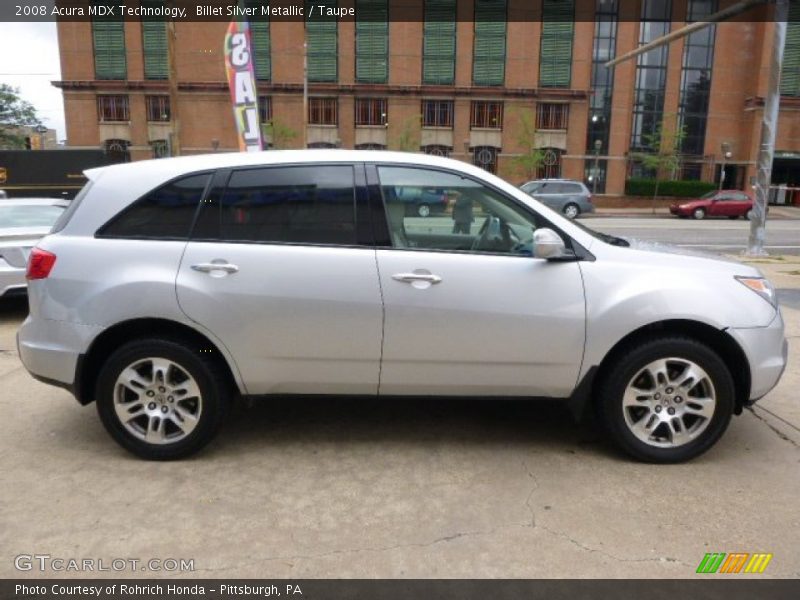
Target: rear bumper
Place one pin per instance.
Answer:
(767, 352)
(51, 350)
(12, 280)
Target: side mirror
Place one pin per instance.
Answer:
(548, 244)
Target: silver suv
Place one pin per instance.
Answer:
(169, 287)
(571, 198)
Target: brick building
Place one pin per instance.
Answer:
(478, 80)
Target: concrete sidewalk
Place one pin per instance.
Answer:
(775, 212)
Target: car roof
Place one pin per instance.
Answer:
(34, 202)
(206, 162)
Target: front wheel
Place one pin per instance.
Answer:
(160, 399)
(424, 210)
(667, 400)
(699, 213)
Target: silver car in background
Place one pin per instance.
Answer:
(570, 198)
(23, 222)
(171, 286)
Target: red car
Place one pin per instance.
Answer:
(719, 203)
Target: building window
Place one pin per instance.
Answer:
(117, 150)
(372, 41)
(154, 44)
(109, 49)
(370, 146)
(439, 42)
(604, 49)
(160, 148)
(321, 145)
(489, 50)
(790, 73)
(555, 62)
(265, 109)
(437, 150)
(157, 108)
(370, 111)
(113, 108)
(552, 116)
(486, 115)
(260, 40)
(698, 63)
(485, 157)
(322, 111)
(651, 74)
(437, 113)
(322, 38)
(551, 164)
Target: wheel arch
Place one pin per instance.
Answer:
(717, 339)
(113, 337)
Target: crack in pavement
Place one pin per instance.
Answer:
(774, 429)
(534, 487)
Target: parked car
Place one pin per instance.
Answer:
(572, 198)
(423, 202)
(22, 223)
(171, 286)
(718, 203)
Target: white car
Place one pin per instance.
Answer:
(169, 286)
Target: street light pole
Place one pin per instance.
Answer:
(598, 144)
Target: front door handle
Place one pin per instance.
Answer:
(215, 266)
(412, 277)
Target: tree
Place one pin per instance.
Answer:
(663, 156)
(15, 113)
(281, 135)
(531, 159)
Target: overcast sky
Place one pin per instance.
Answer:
(29, 61)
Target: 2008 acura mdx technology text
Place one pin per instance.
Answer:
(170, 286)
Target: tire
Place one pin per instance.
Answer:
(639, 421)
(424, 210)
(733, 217)
(699, 213)
(194, 413)
(571, 211)
(749, 214)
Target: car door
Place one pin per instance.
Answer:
(280, 269)
(470, 311)
(722, 205)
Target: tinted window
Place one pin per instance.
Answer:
(571, 188)
(549, 187)
(311, 205)
(165, 213)
(29, 216)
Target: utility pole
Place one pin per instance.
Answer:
(769, 125)
(305, 90)
(174, 136)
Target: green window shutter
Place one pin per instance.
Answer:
(558, 27)
(439, 42)
(154, 44)
(322, 36)
(260, 41)
(489, 50)
(372, 41)
(790, 75)
(109, 49)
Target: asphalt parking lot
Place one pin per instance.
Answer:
(364, 488)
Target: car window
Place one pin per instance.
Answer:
(306, 205)
(549, 187)
(741, 197)
(472, 217)
(571, 188)
(165, 213)
(29, 216)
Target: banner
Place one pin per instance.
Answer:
(242, 83)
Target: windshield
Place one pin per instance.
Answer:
(29, 216)
(708, 195)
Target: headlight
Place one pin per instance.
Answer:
(684, 206)
(760, 286)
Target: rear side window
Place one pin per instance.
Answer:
(302, 205)
(571, 188)
(165, 213)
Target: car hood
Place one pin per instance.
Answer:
(660, 254)
(691, 203)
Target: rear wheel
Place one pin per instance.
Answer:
(733, 217)
(571, 211)
(160, 399)
(667, 400)
(749, 214)
(424, 210)
(699, 213)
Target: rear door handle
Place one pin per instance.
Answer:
(412, 277)
(215, 266)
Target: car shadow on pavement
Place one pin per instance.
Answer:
(275, 422)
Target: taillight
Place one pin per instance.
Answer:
(40, 263)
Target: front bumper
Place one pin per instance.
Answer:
(767, 353)
(675, 210)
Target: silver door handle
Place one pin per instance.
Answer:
(212, 266)
(412, 277)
